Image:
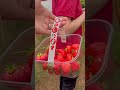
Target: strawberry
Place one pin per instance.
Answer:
(60, 58)
(95, 86)
(68, 49)
(68, 57)
(50, 70)
(75, 46)
(61, 52)
(38, 57)
(87, 75)
(27, 71)
(45, 66)
(74, 52)
(57, 69)
(75, 66)
(66, 68)
(7, 76)
(95, 67)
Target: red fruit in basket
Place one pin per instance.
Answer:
(75, 46)
(95, 67)
(66, 69)
(75, 66)
(7, 76)
(74, 52)
(61, 52)
(68, 57)
(38, 56)
(50, 70)
(95, 86)
(68, 49)
(45, 66)
(57, 69)
(27, 71)
(60, 58)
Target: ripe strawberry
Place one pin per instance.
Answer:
(7, 76)
(68, 57)
(95, 86)
(60, 58)
(45, 66)
(87, 75)
(66, 69)
(74, 52)
(61, 52)
(50, 70)
(57, 69)
(68, 49)
(75, 66)
(95, 67)
(75, 46)
(27, 71)
(38, 57)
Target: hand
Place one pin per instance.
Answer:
(44, 19)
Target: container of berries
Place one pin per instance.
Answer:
(16, 63)
(58, 57)
(98, 36)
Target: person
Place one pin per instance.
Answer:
(71, 9)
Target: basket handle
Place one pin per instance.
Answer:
(53, 40)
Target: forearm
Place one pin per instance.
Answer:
(75, 24)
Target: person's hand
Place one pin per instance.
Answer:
(44, 19)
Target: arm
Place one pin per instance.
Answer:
(75, 24)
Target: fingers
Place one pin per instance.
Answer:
(52, 16)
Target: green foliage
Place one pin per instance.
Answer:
(83, 3)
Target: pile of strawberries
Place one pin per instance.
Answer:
(94, 58)
(61, 60)
(21, 73)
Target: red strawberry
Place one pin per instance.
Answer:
(95, 67)
(7, 76)
(75, 46)
(74, 52)
(57, 69)
(87, 75)
(27, 71)
(38, 56)
(68, 57)
(61, 52)
(60, 58)
(45, 66)
(95, 86)
(44, 57)
(66, 68)
(68, 49)
(50, 70)
(75, 66)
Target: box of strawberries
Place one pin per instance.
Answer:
(60, 57)
(98, 41)
(16, 63)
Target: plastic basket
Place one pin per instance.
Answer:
(99, 31)
(9, 56)
(70, 39)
